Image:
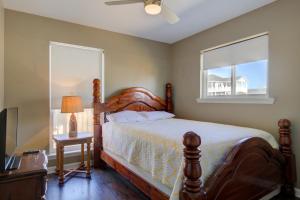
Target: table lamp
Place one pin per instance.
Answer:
(72, 104)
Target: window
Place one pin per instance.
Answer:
(72, 70)
(236, 72)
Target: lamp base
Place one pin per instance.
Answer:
(72, 134)
(73, 126)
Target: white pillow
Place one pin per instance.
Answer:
(157, 115)
(125, 116)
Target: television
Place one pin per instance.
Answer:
(8, 139)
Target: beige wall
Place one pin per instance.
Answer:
(137, 62)
(129, 61)
(1, 55)
(281, 20)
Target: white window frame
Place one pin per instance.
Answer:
(72, 150)
(247, 99)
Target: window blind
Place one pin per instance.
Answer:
(241, 52)
(73, 69)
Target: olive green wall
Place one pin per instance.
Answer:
(129, 62)
(281, 20)
(1, 55)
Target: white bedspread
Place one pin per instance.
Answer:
(156, 146)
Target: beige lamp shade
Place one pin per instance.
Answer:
(71, 104)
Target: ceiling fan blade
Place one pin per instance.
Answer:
(169, 15)
(122, 2)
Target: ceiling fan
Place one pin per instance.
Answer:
(152, 7)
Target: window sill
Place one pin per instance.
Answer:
(250, 100)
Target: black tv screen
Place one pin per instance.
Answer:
(8, 135)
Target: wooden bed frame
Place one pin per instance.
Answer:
(251, 170)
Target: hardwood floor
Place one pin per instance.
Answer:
(104, 185)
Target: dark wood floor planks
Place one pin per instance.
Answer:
(104, 185)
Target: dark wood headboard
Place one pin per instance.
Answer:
(136, 99)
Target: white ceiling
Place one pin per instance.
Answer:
(196, 15)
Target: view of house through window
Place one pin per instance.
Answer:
(236, 70)
(72, 70)
(250, 79)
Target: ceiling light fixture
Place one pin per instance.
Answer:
(153, 7)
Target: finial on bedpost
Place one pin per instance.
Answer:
(169, 96)
(285, 146)
(192, 189)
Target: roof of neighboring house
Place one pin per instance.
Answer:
(257, 91)
(213, 77)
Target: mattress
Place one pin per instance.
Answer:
(155, 147)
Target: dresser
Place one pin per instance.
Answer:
(28, 182)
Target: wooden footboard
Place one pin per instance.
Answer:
(251, 170)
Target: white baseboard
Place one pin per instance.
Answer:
(271, 195)
(51, 170)
(297, 192)
(277, 191)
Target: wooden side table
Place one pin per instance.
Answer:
(64, 140)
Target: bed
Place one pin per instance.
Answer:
(236, 163)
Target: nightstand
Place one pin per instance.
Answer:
(64, 140)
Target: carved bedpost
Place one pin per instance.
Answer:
(97, 125)
(169, 96)
(192, 189)
(285, 142)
